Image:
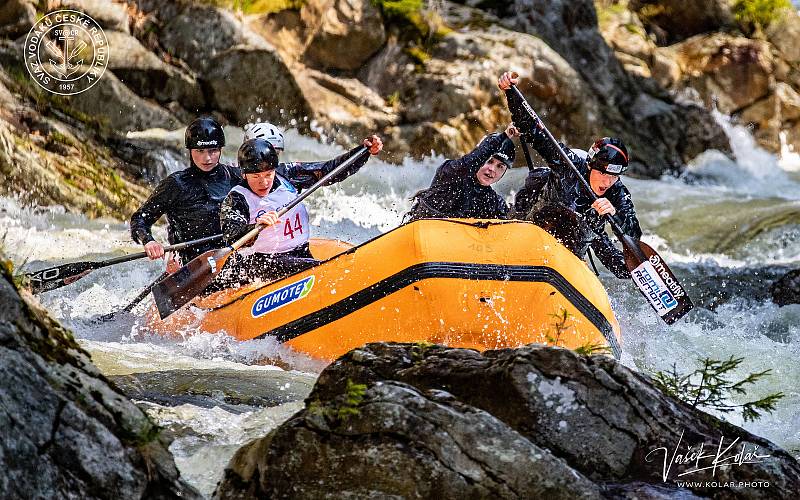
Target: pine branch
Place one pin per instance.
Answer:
(714, 389)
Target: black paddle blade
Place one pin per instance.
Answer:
(56, 277)
(656, 281)
(176, 290)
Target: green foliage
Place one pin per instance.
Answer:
(346, 405)
(403, 10)
(420, 349)
(418, 55)
(710, 387)
(560, 326)
(60, 138)
(590, 349)
(393, 99)
(256, 6)
(353, 396)
(420, 25)
(758, 14)
(608, 10)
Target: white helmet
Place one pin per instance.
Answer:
(583, 154)
(267, 131)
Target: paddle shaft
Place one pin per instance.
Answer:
(651, 275)
(321, 182)
(178, 289)
(133, 303)
(563, 155)
(614, 224)
(56, 277)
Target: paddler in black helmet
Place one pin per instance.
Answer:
(463, 187)
(554, 198)
(190, 198)
(282, 248)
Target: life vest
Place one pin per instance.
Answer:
(289, 233)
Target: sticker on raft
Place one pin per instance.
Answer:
(282, 296)
(654, 289)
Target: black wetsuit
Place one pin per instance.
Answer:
(235, 216)
(456, 192)
(559, 185)
(191, 201)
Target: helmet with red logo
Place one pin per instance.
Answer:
(608, 155)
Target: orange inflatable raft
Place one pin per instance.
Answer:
(459, 282)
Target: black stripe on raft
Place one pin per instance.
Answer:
(428, 270)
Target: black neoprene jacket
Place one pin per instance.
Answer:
(191, 200)
(558, 183)
(456, 192)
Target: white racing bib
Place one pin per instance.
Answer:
(291, 231)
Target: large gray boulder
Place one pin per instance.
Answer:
(120, 109)
(148, 76)
(674, 20)
(449, 101)
(424, 421)
(244, 75)
(657, 133)
(17, 17)
(786, 290)
(250, 81)
(64, 431)
(183, 21)
(338, 27)
(112, 15)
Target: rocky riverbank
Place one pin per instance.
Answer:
(424, 421)
(66, 431)
(421, 74)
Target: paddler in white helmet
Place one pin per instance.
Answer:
(281, 249)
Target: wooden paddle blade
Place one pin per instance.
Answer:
(176, 290)
(56, 277)
(657, 283)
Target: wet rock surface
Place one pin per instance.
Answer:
(209, 388)
(647, 71)
(786, 290)
(428, 421)
(53, 154)
(425, 81)
(66, 432)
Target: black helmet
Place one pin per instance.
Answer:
(506, 152)
(204, 133)
(257, 155)
(608, 155)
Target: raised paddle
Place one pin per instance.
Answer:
(65, 274)
(648, 270)
(185, 284)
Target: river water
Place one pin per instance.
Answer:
(727, 228)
